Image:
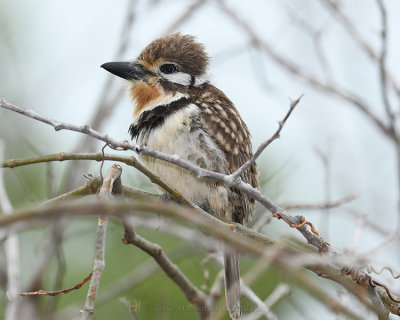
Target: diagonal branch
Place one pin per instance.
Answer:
(193, 294)
(123, 209)
(281, 291)
(58, 292)
(126, 282)
(131, 161)
(320, 264)
(266, 143)
(298, 222)
(185, 16)
(201, 173)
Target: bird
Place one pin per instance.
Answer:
(177, 110)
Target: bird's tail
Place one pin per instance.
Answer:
(232, 284)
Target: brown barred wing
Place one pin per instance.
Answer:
(222, 122)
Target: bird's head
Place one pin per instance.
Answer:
(167, 67)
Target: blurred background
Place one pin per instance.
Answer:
(263, 54)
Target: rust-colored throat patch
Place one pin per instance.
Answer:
(143, 93)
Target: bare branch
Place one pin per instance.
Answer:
(358, 38)
(316, 36)
(391, 305)
(308, 77)
(383, 69)
(99, 157)
(186, 15)
(250, 276)
(108, 99)
(90, 188)
(320, 206)
(58, 292)
(260, 305)
(298, 221)
(49, 247)
(109, 94)
(335, 8)
(221, 230)
(266, 143)
(365, 220)
(12, 251)
(311, 237)
(141, 274)
(281, 291)
(215, 290)
(193, 294)
(112, 180)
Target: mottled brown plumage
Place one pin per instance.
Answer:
(179, 112)
(222, 122)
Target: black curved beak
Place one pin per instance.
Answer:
(127, 70)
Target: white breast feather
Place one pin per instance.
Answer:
(174, 137)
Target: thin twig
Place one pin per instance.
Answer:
(383, 68)
(281, 291)
(264, 218)
(320, 206)
(310, 78)
(260, 305)
(12, 251)
(317, 39)
(265, 144)
(105, 193)
(49, 247)
(107, 99)
(58, 292)
(260, 266)
(215, 290)
(336, 9)
(61, 267)
(131, 161)
(186, 15)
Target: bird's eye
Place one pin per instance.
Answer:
(168, 68)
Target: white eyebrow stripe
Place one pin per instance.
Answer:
(179, 77)
(186, 79)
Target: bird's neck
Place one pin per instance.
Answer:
(153, 105)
